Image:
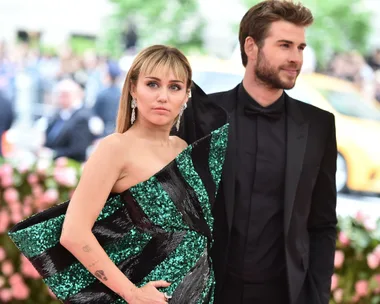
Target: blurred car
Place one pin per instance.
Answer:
(357, 129)
(357, 119)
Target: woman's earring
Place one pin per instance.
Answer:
(133, 114)
(180, 115)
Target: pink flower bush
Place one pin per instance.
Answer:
(357, 262)
(24, 192)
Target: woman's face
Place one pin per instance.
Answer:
(160, 97)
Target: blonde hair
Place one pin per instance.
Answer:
(149, 60)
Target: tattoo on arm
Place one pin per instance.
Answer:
(86, 248)
(100, 275)
(93, 264)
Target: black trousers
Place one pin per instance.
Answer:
(236, 291)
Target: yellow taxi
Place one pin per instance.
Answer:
(357, 129)
(357, 119)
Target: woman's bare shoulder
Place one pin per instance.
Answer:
(180, 144)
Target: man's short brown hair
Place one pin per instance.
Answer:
(257, 21)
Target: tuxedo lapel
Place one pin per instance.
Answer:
(297, 132)
(229, 102)
(230, 169)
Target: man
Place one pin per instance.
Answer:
(6, 118)
(107, 102)
(69, 132)
(275, 218)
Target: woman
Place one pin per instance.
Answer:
(150, 238)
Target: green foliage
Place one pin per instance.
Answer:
(171, 22)
(339, 25)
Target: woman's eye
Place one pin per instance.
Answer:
(175, 87)
(152, 85)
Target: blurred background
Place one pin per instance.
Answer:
(48, 128)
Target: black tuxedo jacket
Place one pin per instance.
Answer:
(310, 191)
(74, 137)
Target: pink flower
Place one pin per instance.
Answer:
(5, 295)
(19, 290)
(334, 281)
(51, 196)
(361, 288)
(28, 200)
(369, 224)
(16, 217)
(28, 269)
(2, 282)
(42, 166)
(373, 261)
(376, 251)
(27, 211)
(6, 169)
(343, 239)
(23, 168)
(6, 181)
(61, 162)
(3, 254)
(65, 176)
(37, 190)
(15, 279)
(32, 179)
(4, 221)
(360, 217)
(338, 295)
(339, 259)
(7, 268)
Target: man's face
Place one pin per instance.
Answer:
(279, 60)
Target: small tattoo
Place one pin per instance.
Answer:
(86, 248)
(93, 264)
(101, 275)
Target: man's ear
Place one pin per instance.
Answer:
(250, 48)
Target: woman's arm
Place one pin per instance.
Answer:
(101, 172)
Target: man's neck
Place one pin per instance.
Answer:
(259, 92)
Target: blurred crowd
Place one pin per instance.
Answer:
(74, 99)
(363, 72)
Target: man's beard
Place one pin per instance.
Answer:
(270, 75)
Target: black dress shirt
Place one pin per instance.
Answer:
(257, 253)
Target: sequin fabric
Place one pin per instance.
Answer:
(160, 229)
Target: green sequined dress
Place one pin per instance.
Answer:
(159, 229)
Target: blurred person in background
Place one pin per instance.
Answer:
(6, 118)
(69, 132)
(107, 102)
(94, 84)
(364, 77)
(275, 216)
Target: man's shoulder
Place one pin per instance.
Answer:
(312, 111)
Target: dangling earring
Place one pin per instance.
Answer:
(133, 114)
(180, 115)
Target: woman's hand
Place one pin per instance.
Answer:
(148, 294)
